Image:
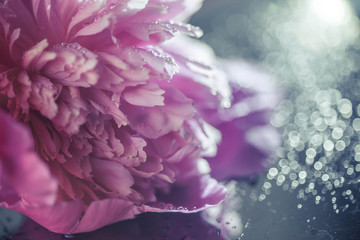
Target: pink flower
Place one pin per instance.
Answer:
(239, 104)
(120, 122)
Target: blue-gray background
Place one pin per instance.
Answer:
(311, 48)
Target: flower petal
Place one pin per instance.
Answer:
(193, 195)
(64, 218)
(22, 168)
(245, 122)
(73, 65)
(104, 212)
(157, 121)
(148, 95)
(113, 175)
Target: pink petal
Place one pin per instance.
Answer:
(73, 66)
(33, 53)
(113, 176)
(240, 159)
(22, 168)
(158, 121)
(149, 168)
(65, 216)
(246, 122)
(72, 111)
(104, 104)
(43, 96)
(104, 212)
(27, 36)
(95, 27)
(193, 195)
(181, 9)
(33, 180)
(84, 15)
(148, 95)
(72, 217)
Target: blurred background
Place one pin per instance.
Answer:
(311, 49)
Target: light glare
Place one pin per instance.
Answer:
(333, 11)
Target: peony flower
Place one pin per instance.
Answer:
(239, 104)
(121, 118)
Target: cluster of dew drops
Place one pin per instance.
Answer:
(320, 156)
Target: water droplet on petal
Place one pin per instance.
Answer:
(169, 206)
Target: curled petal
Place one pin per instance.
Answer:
(84, 16)
(73, 66)
(104, 104)
(31, 55)
(43, 96)
(160, 120)
(72, 111)
(148, 95)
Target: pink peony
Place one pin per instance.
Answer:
(237, 101)
(121, 122)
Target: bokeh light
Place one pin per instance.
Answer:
(311, 48)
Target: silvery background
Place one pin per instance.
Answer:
(311, 48)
